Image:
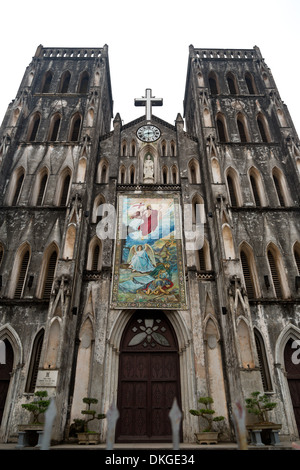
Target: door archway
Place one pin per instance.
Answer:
(292, 368)
(5, 374)
(149, 378)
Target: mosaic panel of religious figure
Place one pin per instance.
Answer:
(149, 267)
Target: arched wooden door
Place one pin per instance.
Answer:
(148, 379)
(292, 367)
(5, 371)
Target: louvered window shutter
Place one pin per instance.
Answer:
(22, 276)
(34, 366)
(201, 259)
(297, 259)
(247, 276)
(18, 189)
(263, 363)
(231, 191)
(278, 190)
(275, 276)
(95, 258)
(50, 275)
(42, 190)
(65, 191)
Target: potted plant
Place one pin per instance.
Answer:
(264, 431)
(31, 434)
(86, 436)
(208, 435)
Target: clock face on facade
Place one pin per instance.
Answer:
(148, 133)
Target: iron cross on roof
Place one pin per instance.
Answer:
(148, 101)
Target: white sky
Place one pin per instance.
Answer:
(149, 43)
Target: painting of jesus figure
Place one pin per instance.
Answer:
(148, 268)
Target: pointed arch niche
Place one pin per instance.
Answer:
(215, 169)
(194, 172)
(81, 170)
(228, 242)
(83, 366)
(11, 374)
(53, 345)
(142, 156)
(214, 364)
(245, 345)
(70, 242)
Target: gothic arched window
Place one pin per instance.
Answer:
(213, 83)
(124, 149)
(279, 186)
(94, 262)
(297, 256)
(249, 271)
(54, 127)
(122, 173)
(34, 362)
(132, 174)
(17, 183)
(173, 149)
(133, 148)
(203, 262)
(242, 128)
(64, 187)
(20, 271)
(231, 82)
(194, 172)
(263, 128)
(277, 272)
(102, 172)
(75, 128)
(257, 187)
(263, 362)
(33, 127)
(165, 175)
(233, 188)
(64, 82)
(42, 183)
(99, 201)
(174, 174)
(48, 271)
(83, 83)
(250, 83)
(221, 126)
(47, 82)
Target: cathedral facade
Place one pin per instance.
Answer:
(148, 261)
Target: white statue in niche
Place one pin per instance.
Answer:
(148, 170)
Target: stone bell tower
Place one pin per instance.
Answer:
(250, 180)
(49, 142)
